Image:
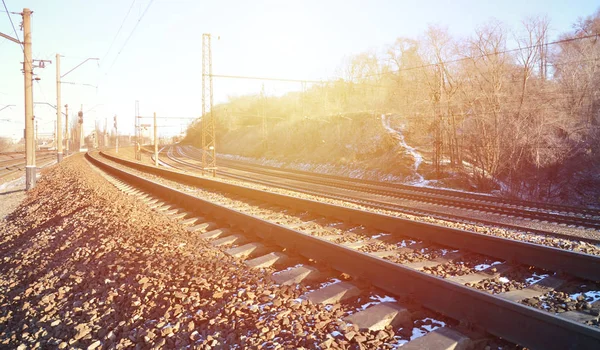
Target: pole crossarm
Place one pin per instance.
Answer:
(79, 65)
(8, 37)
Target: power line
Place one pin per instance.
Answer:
(484, 55)
(269, 79)
(13, 26)
(130, 34)
(121, 27)
(30, 64)
(383, 73)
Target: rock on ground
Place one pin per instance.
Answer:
(83, 266)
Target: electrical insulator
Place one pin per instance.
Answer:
(80, 115)
(115, 121)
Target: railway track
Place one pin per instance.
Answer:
(16, 163)
(400, 257)
(567, 215)
(472, 215)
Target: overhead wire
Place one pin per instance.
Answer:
(13, 26)
(130, 35)
(120, 28)
(428, 65)
(416, 67)
(29, 63)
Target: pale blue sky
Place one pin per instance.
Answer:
(161, 64)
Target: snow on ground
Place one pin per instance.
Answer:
(482, 267)
(288, 269)
(330, 282)
(409, 150)
(324, 168)
(418, 332)
(503, 186)
(535, 278)
(591, 296)
(20, 182)
(376, 299)
(412, 151)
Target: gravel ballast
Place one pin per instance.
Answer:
(82, 266)
(546, 240)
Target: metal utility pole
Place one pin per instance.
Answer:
(81, 137)
(28, 65)
(116, 136)
(155, 141)
(66, 129)
(59, 146)
(303, 98)
(138, 154)
(209, 160)
(30, 176)
(265, 136)
(105, 138)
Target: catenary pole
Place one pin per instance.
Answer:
(67, 129)
(81, 137)
(155, 141)
(59, 138)
(117, 136)
(30, 175)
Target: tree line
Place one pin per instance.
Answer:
(508, 105)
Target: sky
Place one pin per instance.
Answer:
(153, 52)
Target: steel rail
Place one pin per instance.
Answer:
(532, 210)
(11, 170)
(537, 206)
(512, 321)
(439, 199)
(8, 163)
(577, 264)
(19, 163)
(387, 206)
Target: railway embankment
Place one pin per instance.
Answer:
(82, 266)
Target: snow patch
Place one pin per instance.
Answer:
(377, 300)
(336, 334)
(288, 269)
(591, 296)
(330, 282)
(482, 267)
(535, 278)
(409, 150)
(405, 243)
(503, 279)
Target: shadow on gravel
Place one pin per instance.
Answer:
(32, 233)
(11, 192)
(76, 266)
